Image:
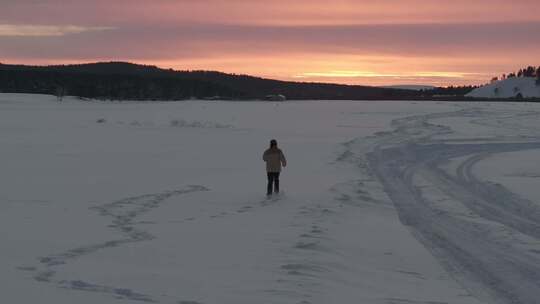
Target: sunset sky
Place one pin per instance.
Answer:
(356, 42)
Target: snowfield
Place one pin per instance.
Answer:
(383, 202)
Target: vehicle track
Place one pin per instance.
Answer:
(481, 247)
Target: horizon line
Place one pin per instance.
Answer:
(109, 61)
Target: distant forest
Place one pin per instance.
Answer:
(127, 81)
(530, 71)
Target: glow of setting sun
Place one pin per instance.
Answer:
(351, 41)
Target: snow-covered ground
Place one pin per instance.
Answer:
(509, 88)
(383, 202)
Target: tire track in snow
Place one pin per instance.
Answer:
(482, 253)
(123, 214)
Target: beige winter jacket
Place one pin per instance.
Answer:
(274, 159)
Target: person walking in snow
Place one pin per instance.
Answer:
(274, 159)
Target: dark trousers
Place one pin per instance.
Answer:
(273, 180)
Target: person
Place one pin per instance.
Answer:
(274, 159)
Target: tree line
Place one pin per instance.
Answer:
(530, 71)
(105, 81)
(127, 81)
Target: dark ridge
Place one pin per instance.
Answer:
(123, 81)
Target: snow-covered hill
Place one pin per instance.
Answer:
(508, 88)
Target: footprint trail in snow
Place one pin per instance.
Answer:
(123, 214)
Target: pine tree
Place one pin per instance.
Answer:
(529, 72)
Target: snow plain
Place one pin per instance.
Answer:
(383, 202)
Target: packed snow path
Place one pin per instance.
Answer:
(480, 242)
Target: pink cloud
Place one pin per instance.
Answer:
(242, 36)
